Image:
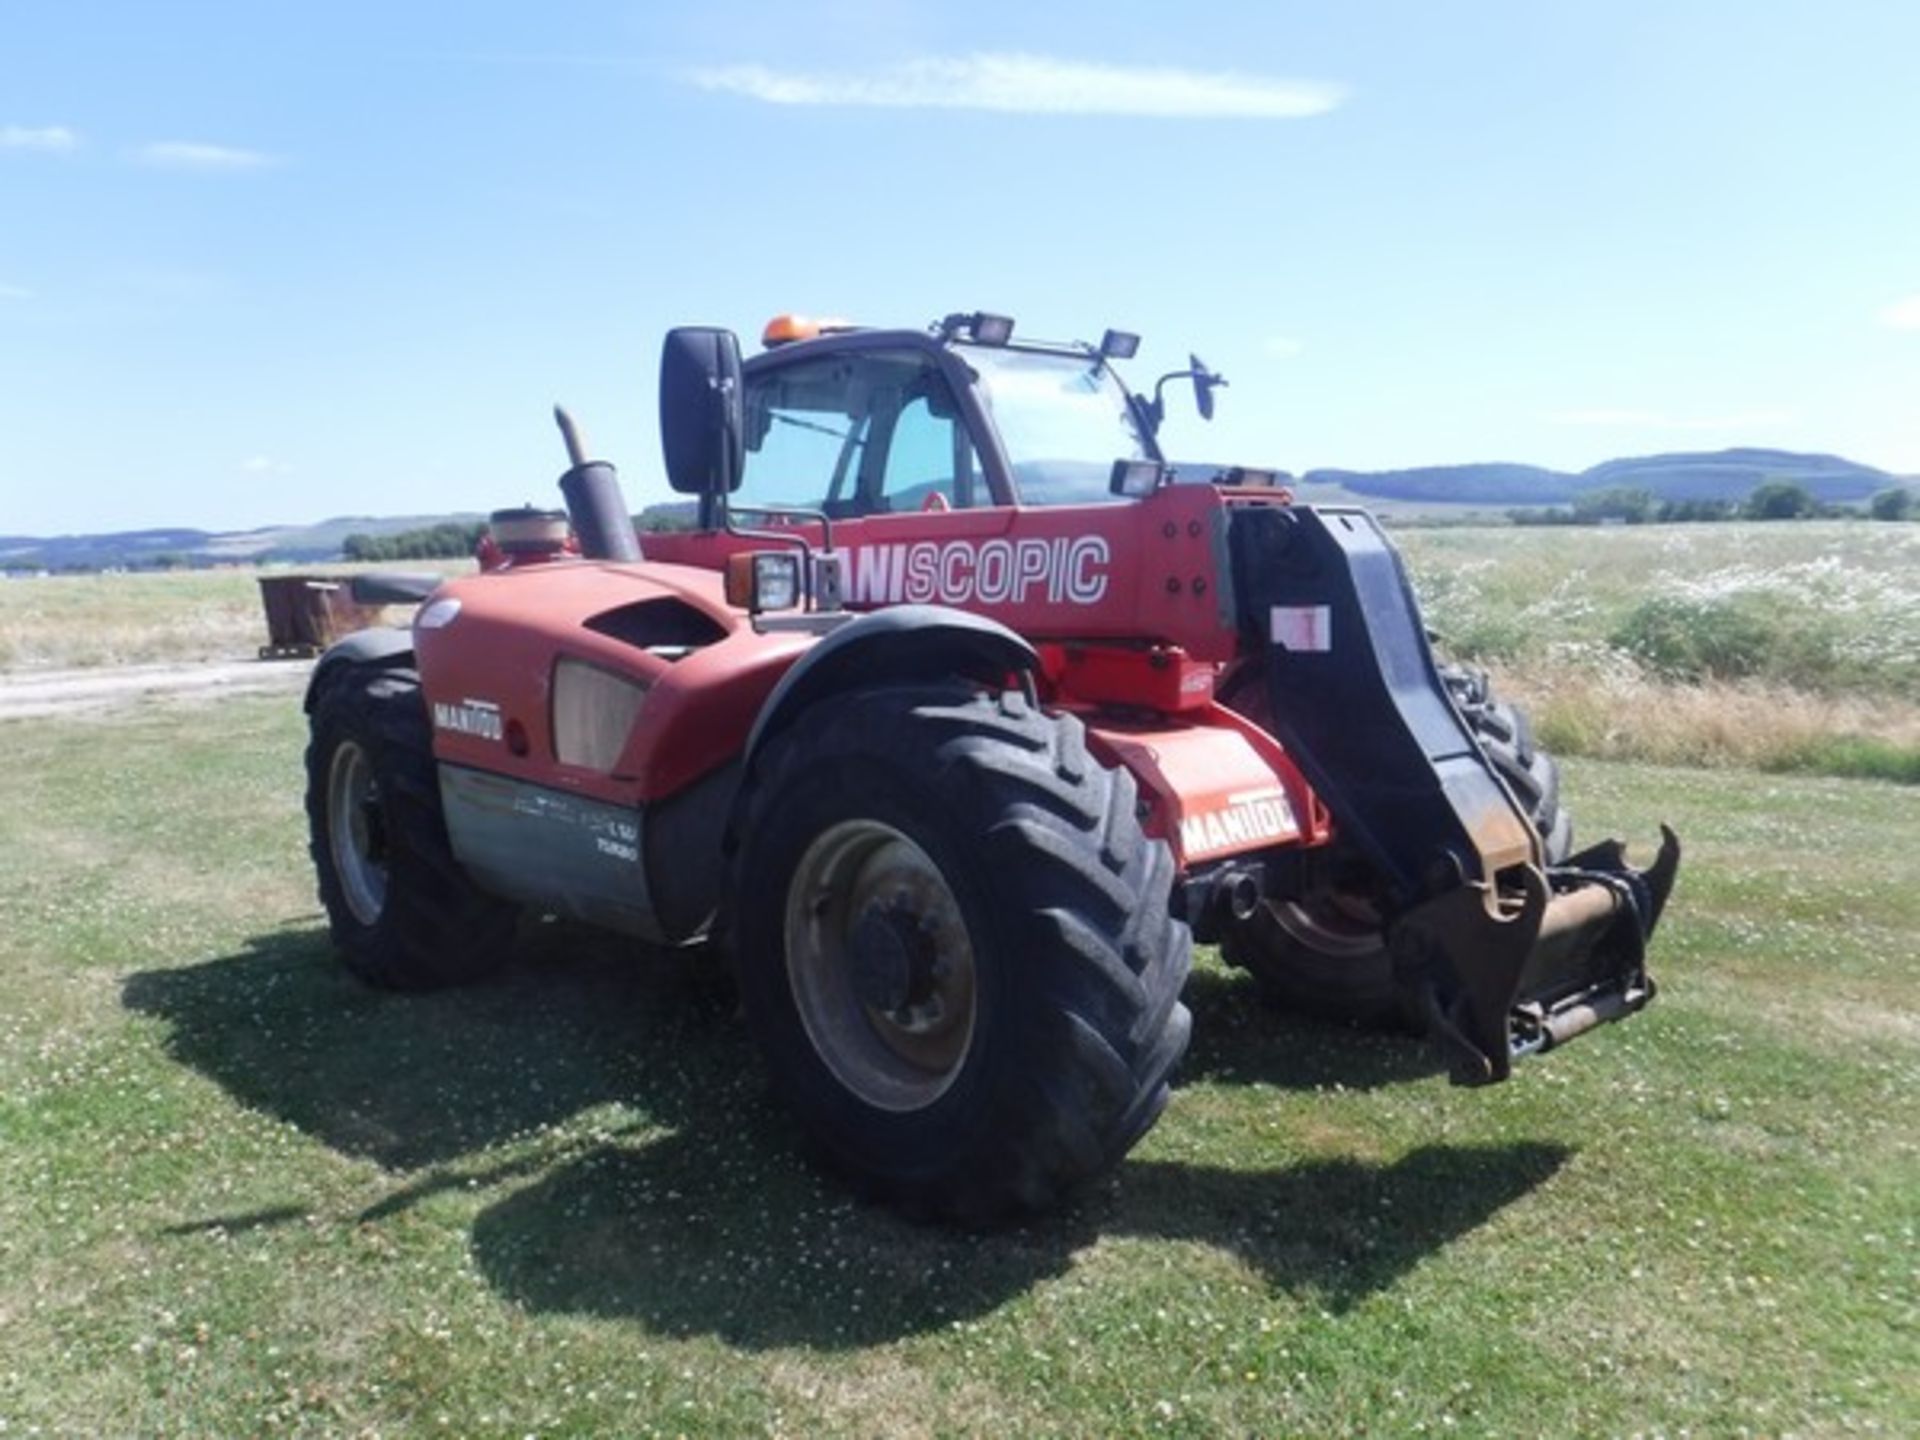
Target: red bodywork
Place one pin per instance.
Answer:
(516, 624)
(1122, 602)
(1126, 573)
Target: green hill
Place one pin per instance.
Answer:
(1705, 475)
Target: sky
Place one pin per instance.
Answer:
(274, 263)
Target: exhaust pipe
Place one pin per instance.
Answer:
(1237, 893)
(595, 505)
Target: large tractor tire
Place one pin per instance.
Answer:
(1505, 735)
(402, 913)
(955, 947)
(1326, 955)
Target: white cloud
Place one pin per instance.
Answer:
(1282, 347)
(1660, 420)
(1034, 85)
(192, 155)
(55, 138)
(264, 465)
(1902, 314)
(15, 292)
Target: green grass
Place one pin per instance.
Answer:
(241, 1194)
(1860, 757)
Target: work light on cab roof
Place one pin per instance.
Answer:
(787, 328)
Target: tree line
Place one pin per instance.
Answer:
(449, 540)
(1771, 500)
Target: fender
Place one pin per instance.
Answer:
(382, 644)
(902, 642)
(1213, 785)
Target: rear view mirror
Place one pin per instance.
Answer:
(1203, 382)
(702, 423)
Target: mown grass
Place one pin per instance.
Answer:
(241, 1194)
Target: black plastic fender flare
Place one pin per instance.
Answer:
(902, 643)
(379, 645)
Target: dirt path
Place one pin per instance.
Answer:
(39, 693)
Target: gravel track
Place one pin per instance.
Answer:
(38, 694)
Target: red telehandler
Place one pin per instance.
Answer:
(956, 716)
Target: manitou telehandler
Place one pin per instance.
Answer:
(956, 716)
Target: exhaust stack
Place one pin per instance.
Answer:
(595, 504)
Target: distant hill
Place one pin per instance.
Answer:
(1493, 484)
(129, 549)
(1714, 475)
(1732, 475)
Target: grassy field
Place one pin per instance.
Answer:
(1787, 647)
(1823, 606)
(73, 621)
(82, 620)
(241, 1194)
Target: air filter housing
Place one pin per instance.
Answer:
(528, 533)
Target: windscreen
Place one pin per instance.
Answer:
(1064, 420)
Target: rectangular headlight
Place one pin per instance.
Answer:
(1136, 479)
(776, 582)
(763, 580)
(992, 329)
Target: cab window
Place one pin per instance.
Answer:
(857, 435)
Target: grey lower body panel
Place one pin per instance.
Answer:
(564, 853)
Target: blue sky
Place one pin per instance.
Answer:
(267, 263)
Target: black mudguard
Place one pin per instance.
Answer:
(376, 645)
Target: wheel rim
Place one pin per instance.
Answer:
(880, 965)
(1335, 926)
(356, 832)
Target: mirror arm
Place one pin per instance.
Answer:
(798, 512)
(1149, 414)
(777, 537)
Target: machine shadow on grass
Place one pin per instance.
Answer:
(1239, 1039)
(703, 1216)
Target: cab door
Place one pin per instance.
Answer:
(850, 434)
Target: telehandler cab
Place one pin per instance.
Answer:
(956, 747)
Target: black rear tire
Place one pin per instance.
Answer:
(402, 913)
(1053, 1057)
(1506, 735)
(1327, 956)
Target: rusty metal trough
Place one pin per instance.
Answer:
(307, 613)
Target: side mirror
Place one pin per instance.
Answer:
(1204, 382)
(702, 420)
